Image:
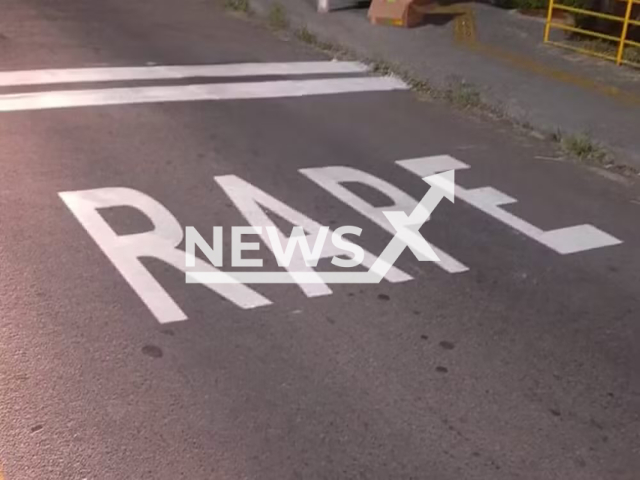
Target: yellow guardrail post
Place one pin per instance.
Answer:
(547, 27)
(625, 29)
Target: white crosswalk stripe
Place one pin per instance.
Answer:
(11, 102)
(77, 75)
(221, 91)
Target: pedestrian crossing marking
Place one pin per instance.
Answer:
(244, 90)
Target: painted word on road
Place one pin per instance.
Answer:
(406, 235)
(402, 219)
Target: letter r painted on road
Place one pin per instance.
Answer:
(125, 251)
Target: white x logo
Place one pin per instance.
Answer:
(408, 226)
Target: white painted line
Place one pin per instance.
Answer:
(566, 240)
(220, 91)
(301, 278)
(53, 76)
(161, 243)
(254, 204)
(333, 180)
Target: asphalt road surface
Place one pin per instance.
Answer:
(517, 356)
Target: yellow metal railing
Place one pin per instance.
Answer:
(620, 42)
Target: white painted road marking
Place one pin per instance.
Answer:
(249, 200)
(112, 74)
(488, 199)
(332, 179)
(125, 251)
(407, 226)
(220, 91)
(253, 204)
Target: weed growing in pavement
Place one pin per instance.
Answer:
(381, 67)
(466, 96)
(278, 19)
(583, 148)
(463, 95)
(304, 35)
(241, 6)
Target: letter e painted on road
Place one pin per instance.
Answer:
(565, 240)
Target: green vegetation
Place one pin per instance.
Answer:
(463, 95)
(304, 35)
(277, 18)
(241, 6)
(587, 22)
(522, 4)
(337, 51)
(581, 147)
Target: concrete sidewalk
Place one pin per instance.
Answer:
(501, 55)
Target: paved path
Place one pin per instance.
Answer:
(514, 357)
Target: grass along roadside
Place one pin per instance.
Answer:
(581, 147)
(240, 6)
(278, 18)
